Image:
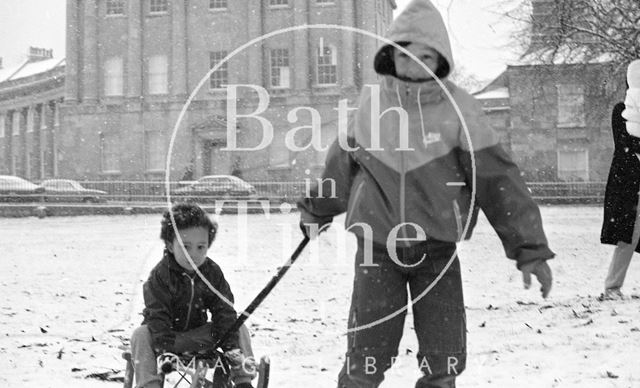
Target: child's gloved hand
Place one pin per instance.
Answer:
(242, 368)
(542, 271)
(312, 226)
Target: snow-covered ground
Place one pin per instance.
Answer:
(72, 295)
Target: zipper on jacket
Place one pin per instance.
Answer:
(402, 194)
(403, 179)
(186, 326)
(456, 211)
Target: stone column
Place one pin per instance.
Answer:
(134, 49)
(41, 128)
(90, 65)
(55, 132)
(256, 54)
(179, 61)
(72, 52)
(301, 53)
(347, 52)
(370, 45)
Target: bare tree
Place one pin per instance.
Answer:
(462, 77)
(579, 31)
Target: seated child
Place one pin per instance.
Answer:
(177, 300)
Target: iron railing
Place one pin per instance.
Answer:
(154, 192)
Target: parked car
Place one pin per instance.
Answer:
(13, 188)
(212, 187)
(67, 190)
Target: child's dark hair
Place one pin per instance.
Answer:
(186, 215)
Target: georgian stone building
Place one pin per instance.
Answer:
(132, 65)
(555, 118)
(31, 94)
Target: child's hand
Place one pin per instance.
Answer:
(541, 269)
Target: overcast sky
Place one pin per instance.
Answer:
(477, 34)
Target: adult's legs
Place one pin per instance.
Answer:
(439, 317)
(621, 258)
(618, 267)
(379, 292)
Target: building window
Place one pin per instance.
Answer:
(15, 123)
(280, 68)
(113, 80)
(278, 3)
(279, 155)
(573, 165)
(220, 77)
(109, 160)
(217, 4)
(115, 7)
(158, 75)
(30, 119)
(2, 124)
(327, 64)
(325, 1)
(158, 6)
(571, 106)
(155, 150)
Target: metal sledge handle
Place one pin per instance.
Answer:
(264, 293)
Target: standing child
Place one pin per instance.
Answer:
(407, 198)
(621, 224)
(177, 300)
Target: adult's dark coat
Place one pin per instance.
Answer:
(621, 195)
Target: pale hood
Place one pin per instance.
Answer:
(422, 23)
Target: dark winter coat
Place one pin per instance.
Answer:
(623, 184)
(429, 183)
(176, 301)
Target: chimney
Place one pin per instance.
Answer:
(544, 22)
(39, 54)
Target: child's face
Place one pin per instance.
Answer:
(196, 243)
(406, 67)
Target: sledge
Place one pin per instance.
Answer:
(204, 370)
(198, 371)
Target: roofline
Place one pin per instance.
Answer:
(492, 82)
(32, 80)
(605, 63)
(26, 62)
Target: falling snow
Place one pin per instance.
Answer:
(72, 295)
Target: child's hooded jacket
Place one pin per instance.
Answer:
(424, 175)
(176, 301)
